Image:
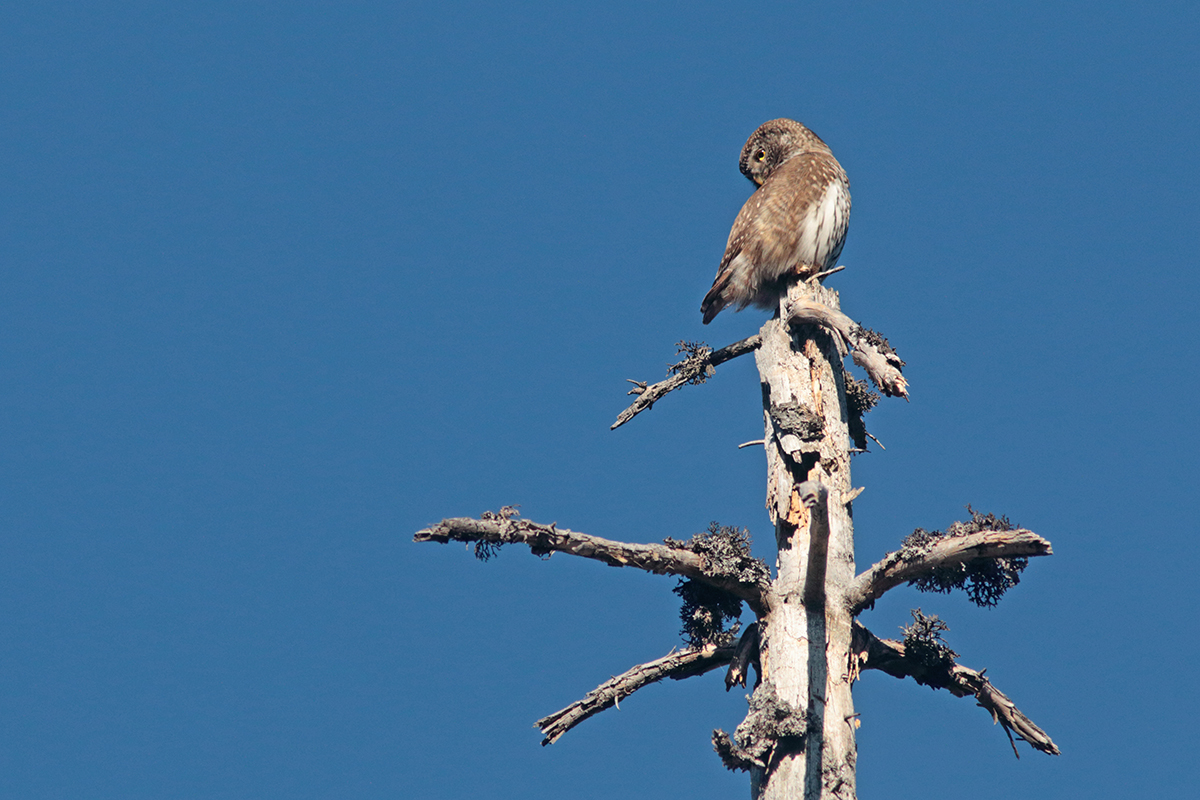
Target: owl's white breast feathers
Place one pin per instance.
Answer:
(823, 229)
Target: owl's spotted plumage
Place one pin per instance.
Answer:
(794, 225)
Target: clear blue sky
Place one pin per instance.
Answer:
(282, 283)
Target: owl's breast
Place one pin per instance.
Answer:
(804, 218)
(822, 230)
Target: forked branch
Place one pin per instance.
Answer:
(676, 666)
(871, 652)
(691, 370)
(908, 564)
(506, 528)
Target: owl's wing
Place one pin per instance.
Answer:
(729, 286)
(795, 222)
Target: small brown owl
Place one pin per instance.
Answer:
(794, 225)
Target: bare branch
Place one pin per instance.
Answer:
(506, 528)
(676, 666)
(820, 276)
(906, 565)
(871, 351)
(688, 371)
(885, 655)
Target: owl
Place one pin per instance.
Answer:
(794, 225)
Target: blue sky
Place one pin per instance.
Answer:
(282, 283)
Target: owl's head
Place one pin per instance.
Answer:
(774, 143)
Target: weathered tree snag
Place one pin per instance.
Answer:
(805, 647)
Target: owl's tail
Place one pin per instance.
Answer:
(713, 301)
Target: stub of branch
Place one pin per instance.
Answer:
(690, 370)
(905, 565)
(871, 652)
(770, 729)
(816, 498)
(745, 653)
(507, 528)
(676, 666)
(871, 351)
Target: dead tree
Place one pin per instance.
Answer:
(806, 646)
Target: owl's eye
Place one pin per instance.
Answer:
(760, 156)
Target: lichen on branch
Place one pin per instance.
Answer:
(769, 724)
(985, 580)
(726, 553)
(925, 657)
(722, 561)
(923, 642)
(959, 558)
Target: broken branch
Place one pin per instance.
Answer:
(885, 655)
(871, 351)
(745, 653)
(676, 666)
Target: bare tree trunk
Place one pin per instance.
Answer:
(806, 635)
